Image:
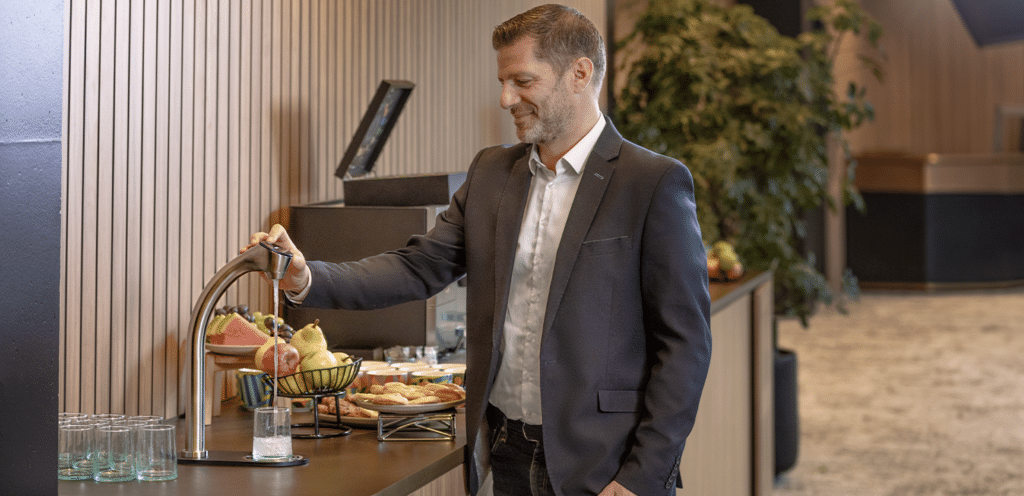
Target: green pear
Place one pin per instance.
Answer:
(320, 359)
(309, 340)
(343, 358)
(313, 365)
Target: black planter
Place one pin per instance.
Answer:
(787, 416)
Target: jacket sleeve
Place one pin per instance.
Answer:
(677, 322)
(421, 269)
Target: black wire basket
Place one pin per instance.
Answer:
(320, 382)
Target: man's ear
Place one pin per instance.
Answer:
(582, 71)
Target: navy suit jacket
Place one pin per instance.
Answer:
(626, 340)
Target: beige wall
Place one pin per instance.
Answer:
(189, 125)
(940, 90)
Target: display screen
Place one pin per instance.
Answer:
(375, 128)
(992, 21)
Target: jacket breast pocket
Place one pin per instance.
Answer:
(605, 246)
(619, 400)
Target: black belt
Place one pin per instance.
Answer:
(496, 417)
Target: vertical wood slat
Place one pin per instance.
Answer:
(185, 190)
(64, 180)
(190, 124)
(87, 255)
(71, 66)
(153, 308)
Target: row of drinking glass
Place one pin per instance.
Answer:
(115, 448)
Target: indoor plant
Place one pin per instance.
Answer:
(750, 112)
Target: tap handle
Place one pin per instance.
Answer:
(278, 261)
(275, 249)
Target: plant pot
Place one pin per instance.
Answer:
(787, 415)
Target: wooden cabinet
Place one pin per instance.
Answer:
(731, 451)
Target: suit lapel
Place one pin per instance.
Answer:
(506, 234)
(596, 176)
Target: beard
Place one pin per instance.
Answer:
(533, 127)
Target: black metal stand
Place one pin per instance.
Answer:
(432, 426)
(339, 429)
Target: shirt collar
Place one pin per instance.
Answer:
(576, 157)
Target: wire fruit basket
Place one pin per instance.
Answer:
(320, 382)
(317, 384)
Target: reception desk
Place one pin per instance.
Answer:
(729, 453)
(938, 221)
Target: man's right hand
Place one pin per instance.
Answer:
(297, 277)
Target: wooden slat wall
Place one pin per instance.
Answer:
(192, 123)
(940, 90)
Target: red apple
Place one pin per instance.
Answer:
(288, 358)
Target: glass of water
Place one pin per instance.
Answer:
(272, 434)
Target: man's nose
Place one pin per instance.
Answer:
(509, 97)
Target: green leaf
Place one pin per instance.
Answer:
(748, 110)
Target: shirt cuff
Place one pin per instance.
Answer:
(298, 297)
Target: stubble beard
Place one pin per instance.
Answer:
(548, 128)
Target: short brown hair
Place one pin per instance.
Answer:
(562, 34)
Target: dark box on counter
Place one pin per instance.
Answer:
(403, 191)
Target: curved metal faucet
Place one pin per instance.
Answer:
(274, 262)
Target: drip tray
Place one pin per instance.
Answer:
(241, 459)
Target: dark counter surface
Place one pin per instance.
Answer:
(352, 465)
(724, 293)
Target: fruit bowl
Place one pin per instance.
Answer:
(316, 382)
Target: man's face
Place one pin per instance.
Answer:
(540, 101)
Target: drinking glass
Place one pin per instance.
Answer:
(272, 433)
(75, 446)
(149, 419)
(107, 416)
(114, 451)
(157, 457)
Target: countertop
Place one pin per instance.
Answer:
(724, 293)
(356, 464)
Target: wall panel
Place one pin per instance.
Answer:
(940, 90)
(192, 123)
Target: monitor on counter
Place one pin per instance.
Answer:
(374, 129)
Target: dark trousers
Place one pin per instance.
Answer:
(517, 457)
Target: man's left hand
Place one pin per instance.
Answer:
(616, 489)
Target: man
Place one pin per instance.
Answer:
(587, 309)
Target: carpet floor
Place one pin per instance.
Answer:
(911, 393)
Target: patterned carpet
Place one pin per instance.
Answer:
(912, 393)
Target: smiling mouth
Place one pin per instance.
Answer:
(521, 112)
(522, 117)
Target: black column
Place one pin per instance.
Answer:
(786, 15)
(31, 82)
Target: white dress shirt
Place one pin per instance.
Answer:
(517, 386)
(516, 389)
